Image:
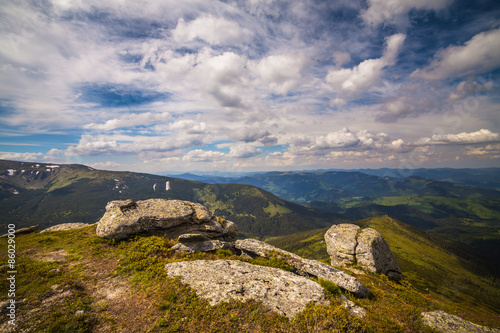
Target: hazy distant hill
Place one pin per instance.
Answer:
(488, 178)
(462, 214)
(41, 193)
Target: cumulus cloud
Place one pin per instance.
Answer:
(356, 80)
(130, 120)
(211, 29)
(105, 165)
(243, 151)
(491, 151)
(222, 76)
(281, 73)
(481, 136)
(28, 157)
(470, 87)
(199, 155)
(396, 12)
(480, 54)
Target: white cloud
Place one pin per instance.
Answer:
(491, 151)
(28, 157)
(338, 139)
(470, 87)
(337, 102)
(281, 73)
(89, 145)
(356, 80)
(243, 151)
(480, 54)
(341, 58)
(105, 165)
(130, 120)
(481, 136)
(211, 29)
(222, 76)
(199, 155)
(396, 11)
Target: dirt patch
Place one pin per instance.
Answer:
(122, 308)
(58, 256)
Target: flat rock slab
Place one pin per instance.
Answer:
(66, 226)
(221, 280)
(310, 267)
(22, 231)
(447, 323)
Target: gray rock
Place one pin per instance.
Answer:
(66, 226)
(447, 323)
(349, 244)
(187, 238)
(305, 266)
(221, 280)
(22, 231)
(204, 246)
(373, 254)
(341, 243)
(352, 307)
(124, 218)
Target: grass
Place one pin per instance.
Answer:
(437, 275)
(156, 303)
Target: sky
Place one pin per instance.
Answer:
(250, 85)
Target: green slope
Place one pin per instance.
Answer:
(430, 264)
(99, 285)
(40, 193)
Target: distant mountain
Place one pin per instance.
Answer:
(488, 178)
(462, 214)
(303, 187)
(46, 194)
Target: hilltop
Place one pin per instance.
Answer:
(89, 284)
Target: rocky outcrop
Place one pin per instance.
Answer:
(349, 244)
(341, 243)
(278, 290)
(66, 226)
(22, 231)
(124, 218)
(446, 323)
(303, 266)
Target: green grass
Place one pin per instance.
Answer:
(175, 307)
(433, 271)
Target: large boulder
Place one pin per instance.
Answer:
(341, 243)
(221, 280)
(307, 267)
(349, 244)
(124, 218)
(446, 323)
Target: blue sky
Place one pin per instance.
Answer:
(251, 84)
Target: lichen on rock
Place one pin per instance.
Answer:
(124, 218)
(281, 291)
(367, 248)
